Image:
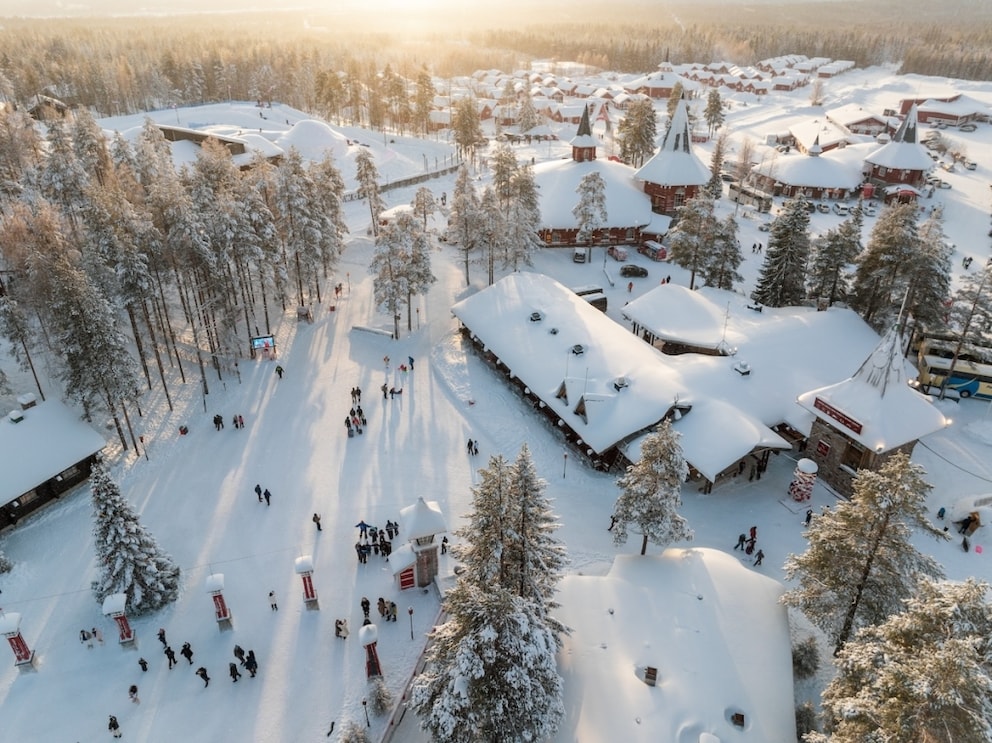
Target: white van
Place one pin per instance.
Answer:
(579, 255)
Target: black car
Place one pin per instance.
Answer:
(631, 269)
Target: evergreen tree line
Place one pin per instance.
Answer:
(116, 264)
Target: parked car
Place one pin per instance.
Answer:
(764, 227)
(969, 165)
(653, 250)
(633, 270)
(823, 208)
(841, 209)
(943, 184)
(617, 252)
(579, 255)
(967, 127)
(869, 210)
(727, 177)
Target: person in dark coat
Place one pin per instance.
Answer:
(468, 446)
(202, 673)
(272, 601)
(741, 539)
(133, 694)
(316, 520)
(366, 606)
(358, 394)
(171, 655)
(161, 636)
(358, 551)
(758, 558)
(239, 653)
(392, 610)
(232, 669)
(809, 515)
(385, 391)
(266, 494)
(279, 371)
(258, 492)
(114, 727)
(187, 652)
(366, 551)
(410, 359)
(363, 528)
(251, 665)
(444, 545)
(143, 663)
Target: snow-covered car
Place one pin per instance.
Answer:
(823, 208)
(943, 184)
(633, 270)
(579, 255)
(841, 209)
(727, 177)
(869, 210)
(969, 165)
(764, 227)
(617, 252)
(967, 127)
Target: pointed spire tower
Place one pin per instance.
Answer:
(863, 420)
(584, 143)
(901, 162)
(675, 174)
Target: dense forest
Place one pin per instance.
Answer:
(125, 65)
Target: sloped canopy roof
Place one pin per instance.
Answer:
(675, 164)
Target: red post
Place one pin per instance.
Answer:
(123, 628)
(304, 568)
(220, 607)
(10, 628)
(22, 653)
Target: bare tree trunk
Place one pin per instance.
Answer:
(139, 345)
(158, 356)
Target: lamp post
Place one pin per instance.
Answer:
(564, 463)
(418, 318)
(365, 706)
(410, 612)
(349, 281)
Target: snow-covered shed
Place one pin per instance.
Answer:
(46, 451)
(675, 174)
(864, 420)
(686, 646)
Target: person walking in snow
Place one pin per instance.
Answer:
(114, 727)
(363, 529)
(133, 694)
(341, 628)
(475, 447)
(202, 673)
(266, 494)
(758, 558)
(753, 534)
(468, 446)
(85, 636)
(251, 664)
(358, 550)
(381, 606)
(235, 674)
(239, 653)
(444, 545)
(272, 601)
(366, 606)
(352, 395)
(171, 655)
(741, 539)
(234, 421)
(809, 515)
(97, 634)
(316, 520)
(187, 652)
(392, 610)
(385, 391)
(241, 422)
(143, 663)
(410, 359)
(258, 492)
(279, 371)
(161, 636)
(358, 395)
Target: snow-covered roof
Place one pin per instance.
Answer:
(825, 133)
(876, 407)
(49, 439)
(904, 151)
(312, 139)
(257, 144)
(626, 204)
(814, 171)
(852, 113)
(422, 519)
(962, 105)
(675, 313)
(712, 628)
(675, 164)
(540, 353)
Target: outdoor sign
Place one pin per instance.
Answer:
(832, 412)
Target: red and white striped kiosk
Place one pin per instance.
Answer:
(304, 568)
(115, 607)
(222, 612)
(10, 627)
(416, 563)
(368, 635)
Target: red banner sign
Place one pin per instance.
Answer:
(832, 412)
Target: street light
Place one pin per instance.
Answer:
(365, 706)
(410, 612)
(564, 463)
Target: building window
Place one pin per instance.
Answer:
(854, 456)
(679, 199)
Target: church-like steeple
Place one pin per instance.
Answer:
(584, 143)
(885, 367)
(677, 137)
(907, 129)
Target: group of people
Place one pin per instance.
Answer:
(355, 420)
(373, 540)
(747, 542)
(262, 494)
(89, 635)
(757, 248)
(236, 420)
(472, 447)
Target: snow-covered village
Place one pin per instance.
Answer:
(646, 406)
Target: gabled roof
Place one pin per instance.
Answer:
(675, 164)
(876, 407)
(904, 151)
(626, 203)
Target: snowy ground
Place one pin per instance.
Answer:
(195, 495)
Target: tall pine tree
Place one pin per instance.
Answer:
(782, 282)
(129, 558)
(652, 492)
(590, 212)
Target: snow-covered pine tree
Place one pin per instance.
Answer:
(328, 197)
(714, 111)
(691, 240)
(527, 115)
(390, 266)
(491, 673)
(523, 220)
(590, 213)
(465, 215)
(503, 164)
(860, 563)
(535, 559)
(419, 277)
(881, 275)
(722, 263)
(5, 564)
(492, 232)
(782, 281)
(423, 204)
(714, 186)
(62, 179)
(833, 254)
(90, 146)
(380, 697)
(367, 176)
(652, 492)
(422, 100)
(637, 133)
(129, 559)
(929, 275)
(482, 546)
(299, 224)
(20, 147)
(467, 127)
(922, 675)
(354, 732)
